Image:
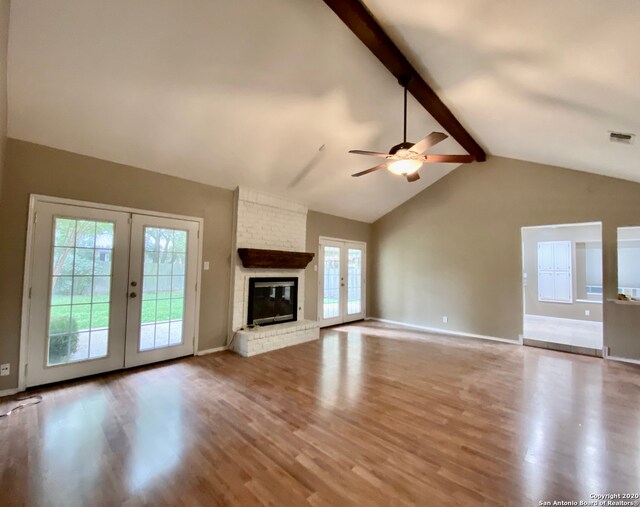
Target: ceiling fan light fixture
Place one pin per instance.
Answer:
(405, 166)
(405, 159)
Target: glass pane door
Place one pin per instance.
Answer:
(331, 276)
(162, 289)
(163, 284)
(77, 317)
(354, 275)
(108, 290)
(81, 272)
(341, 281)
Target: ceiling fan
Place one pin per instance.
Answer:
(405, 159)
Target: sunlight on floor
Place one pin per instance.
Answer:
(579, 333)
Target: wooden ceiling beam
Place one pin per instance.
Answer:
(364, 25)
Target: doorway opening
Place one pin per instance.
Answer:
(562, 287)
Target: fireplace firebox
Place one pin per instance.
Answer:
(272, 301)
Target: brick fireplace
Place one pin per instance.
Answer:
(264, 221)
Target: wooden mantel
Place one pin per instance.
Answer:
(274, 259)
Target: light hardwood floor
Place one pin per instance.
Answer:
(579, 333)
(370, 414)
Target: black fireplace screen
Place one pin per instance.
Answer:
(272, 300)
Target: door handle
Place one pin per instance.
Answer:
(133, 295)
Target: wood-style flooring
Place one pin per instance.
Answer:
(370, 414)
(577, 333)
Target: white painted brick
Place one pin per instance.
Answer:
(254, 342)
(271, 222)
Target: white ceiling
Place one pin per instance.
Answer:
(540, 80)
(224, 93)
(245, 92)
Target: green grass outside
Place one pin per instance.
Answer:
(96, 315)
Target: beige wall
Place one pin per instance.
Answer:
(321, 224)
(4, 43)
(455, 248)
(31, 168)
(577, 234)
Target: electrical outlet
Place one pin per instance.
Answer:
(587, 312)
(5, 369)
(206, 265)
(445, 319)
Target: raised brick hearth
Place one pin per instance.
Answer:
(273, 223)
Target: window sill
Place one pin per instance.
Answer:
(622, 302)
(588, 301)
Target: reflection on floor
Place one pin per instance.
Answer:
(370, 414)
(578, 333)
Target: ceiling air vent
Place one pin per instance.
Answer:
(621, 137)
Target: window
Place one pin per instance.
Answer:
(80, 297)
(629, 263)
(554, 271)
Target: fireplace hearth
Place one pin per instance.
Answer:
(272, 301)
(267, 284)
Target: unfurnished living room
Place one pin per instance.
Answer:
(319, 252)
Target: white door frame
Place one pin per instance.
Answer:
(35, 199)
(346, 243)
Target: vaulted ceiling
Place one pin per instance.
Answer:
(543, 80)
(246, 92)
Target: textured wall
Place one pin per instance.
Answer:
(37, 169)
(321, 224)
(4, 43)
(455, 248)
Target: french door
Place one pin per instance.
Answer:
(341, 281)
(162, 289)
(109, 289)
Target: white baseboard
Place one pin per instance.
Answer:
(211, 351)
(9, 392)
(448, 332)
(620, 359)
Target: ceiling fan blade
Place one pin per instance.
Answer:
(370, 153)
(429, 141)
(413, 177)
(457, 159)
(362, 173)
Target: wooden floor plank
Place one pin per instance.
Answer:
(371, 414)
